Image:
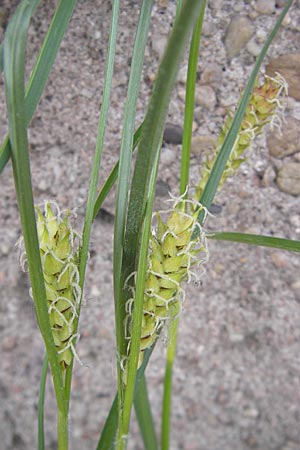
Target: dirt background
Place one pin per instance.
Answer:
(237, 375)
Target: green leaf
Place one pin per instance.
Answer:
(89, 215)
(1, 58)
(137, 314)
(14, 74)
(184, 181)
(122, 194)
(254, 239)
(43, 65)
(190, 102)
(43, 379)
(153, 128)
(137, 228)
(107, 438)
(144, 416)
(220, 163)
(109, 431)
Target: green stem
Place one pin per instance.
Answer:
(62, 429)
(167, 394)
(14, 72)
(89, 215)
(121, 206)
(190, 102)
(144, 415)
(41, 434)
(184, 181)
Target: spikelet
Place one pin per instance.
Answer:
(264, 105)
(173, 251)
(59, 257)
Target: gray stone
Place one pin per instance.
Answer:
(268, 176)
(173, 134)
(289, 66)
(289, 445)
(202, 144)
(288, 178)
(87, 93)
(251, 412)
(162, 188)
(294, 220)
(215, 209)
(280, 3)
(159, 44)
(212, 74)
(205, 96)
(296, 289)
(265, 6)
(238, 33)
(253, 47)
(182, 74)
(287, 142)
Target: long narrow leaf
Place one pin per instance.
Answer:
(144, 416)
(220, 163)
(43, 379)
(108, 435)
(153, 128)
(14, 72)
(136, 318)
(137, 231)
(1, 58)
(184, 180)
(96, 163)
(254, 239)
(190, 102)
(109, 431)
(123, 187)
(42, 67)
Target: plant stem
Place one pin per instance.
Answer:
(184, 180)
(190, 102)
(167, 395)
(41, 434)
(121, 211)
(62, 429)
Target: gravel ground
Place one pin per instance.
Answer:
(237, 376)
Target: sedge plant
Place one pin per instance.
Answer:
(155, 252)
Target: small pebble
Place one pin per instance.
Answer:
(173, 134)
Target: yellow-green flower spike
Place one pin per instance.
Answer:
(172, 252)
(263, 107)
(59, 256)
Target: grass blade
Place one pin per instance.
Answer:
(107, 438)
(42, 67)
(137, 229)
(123, 187)
(144, 415)
(219, 166)
(1, 58)
(89, 215)
(254, 239)
(109, 431)
(184, 181)
(14, 73)
(137, 314)
(43, 379)
(167, 393)
(190, 102)
(153, 128)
